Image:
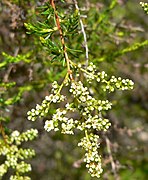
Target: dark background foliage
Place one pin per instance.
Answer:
(108, 31)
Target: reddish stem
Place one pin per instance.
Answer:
(62, 38)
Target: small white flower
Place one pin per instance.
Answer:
(15, 133)
(29, 118)
(123, 81)
(49, 125)
(79, 65)
(47, 98)
(100, 108)
(32, 110)
(54, 100)
(131, 83)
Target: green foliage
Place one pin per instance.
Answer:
(118, 53)
(11, 59)
(48, 30)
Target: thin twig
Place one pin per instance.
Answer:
(111, 158)
(83, 32)
(62, 38)
(11, 67)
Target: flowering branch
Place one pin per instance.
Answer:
(79, 100)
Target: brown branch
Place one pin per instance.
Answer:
(62, 39)
(2, 132)
(111, 158)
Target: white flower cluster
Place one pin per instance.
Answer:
(118, 83)
(87, 107)
(90, 75)
(26, 153)
(25, 136)
(87, 104)
(144, 5)
(23, 167)
(89, 111)
(108, 84)
(59, 118)
(94, 122)
(115, 83)
(3, 169)
(92, 158)
(43, 109)
(14, 155)
(17, 177)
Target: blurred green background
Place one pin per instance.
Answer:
(108, 30)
